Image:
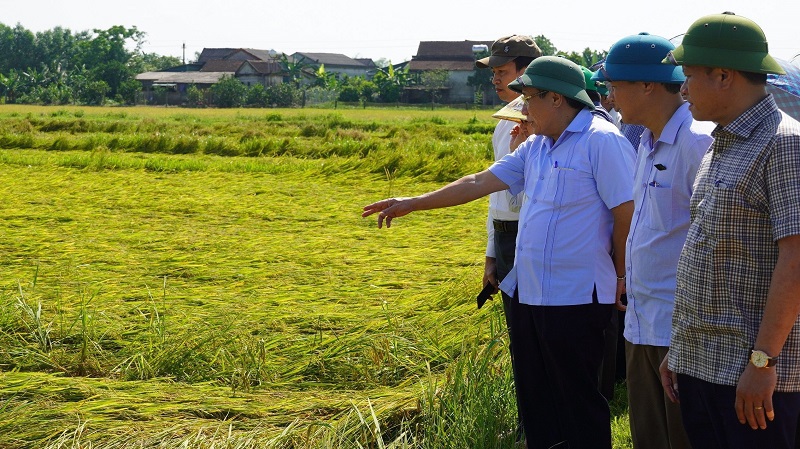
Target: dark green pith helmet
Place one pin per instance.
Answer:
(554, 74)
(727, 41)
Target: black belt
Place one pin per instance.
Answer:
(505, 226)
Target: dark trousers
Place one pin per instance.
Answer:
(711, 423)
(557, 353)
(505, 245)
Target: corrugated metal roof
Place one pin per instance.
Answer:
(183, 77)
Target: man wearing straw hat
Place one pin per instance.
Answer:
(575, 173)
(734, 359)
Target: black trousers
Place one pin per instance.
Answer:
(557, 353)
(505, 245)
(710, 419)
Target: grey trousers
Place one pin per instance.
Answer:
(656, 422)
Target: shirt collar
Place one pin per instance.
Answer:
(744, 125)
(670, 132)
(578, 124)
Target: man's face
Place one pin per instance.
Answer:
(537, 109)
(700, 90)
(502, 75)
(607, 103)
(629, 99)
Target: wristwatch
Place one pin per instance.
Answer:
(760, 359)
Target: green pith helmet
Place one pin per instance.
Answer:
(554, 74)
(591, 84)
(727, 41)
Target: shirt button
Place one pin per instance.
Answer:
(533, 201)
(541, 178)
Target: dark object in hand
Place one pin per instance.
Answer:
(485, 294)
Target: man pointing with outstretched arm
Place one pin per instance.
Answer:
(576, 174)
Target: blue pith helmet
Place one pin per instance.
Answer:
(638, 58)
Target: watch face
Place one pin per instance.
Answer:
(759, 359)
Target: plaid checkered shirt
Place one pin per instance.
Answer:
(746, 198)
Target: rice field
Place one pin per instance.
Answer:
(202, 278)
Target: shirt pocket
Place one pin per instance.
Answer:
(659, 214)
(570, 186)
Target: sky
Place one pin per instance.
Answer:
(392, 30)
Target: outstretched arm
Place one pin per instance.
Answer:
(466, 189)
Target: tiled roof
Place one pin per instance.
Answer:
(263, 55)
(414, 65)
(221, 65)
(209, 54)
(447, 50)
(367, 62)
(329, 59)
(266, 67)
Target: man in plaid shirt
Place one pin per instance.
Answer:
(735, 343)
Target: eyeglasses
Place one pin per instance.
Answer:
(539, 94)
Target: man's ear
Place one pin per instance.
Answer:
(724, 77)
(558, 99)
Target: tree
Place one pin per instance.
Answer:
(106, 57)
(391, 82)
(294, 69)
(545, 45)
(229, 92)
(194, 96)
(152, 62)
(481, 79)
(433, 82)
(284, 95)
(257, 96)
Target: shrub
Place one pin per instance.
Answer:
(229, 93)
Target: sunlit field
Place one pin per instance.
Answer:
(176, 278)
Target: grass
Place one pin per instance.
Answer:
(164, 295)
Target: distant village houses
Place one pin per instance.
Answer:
(456, 60)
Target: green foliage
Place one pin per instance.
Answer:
(257, 96)
(390, 83)
(357, 89)
(284, 95)
(194, 96)
(545, 45)
(433, 81)
(229, 92)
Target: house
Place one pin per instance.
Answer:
(176, 83)
(250, 66)
(458, 59)
(266, 73)
(336, 63)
